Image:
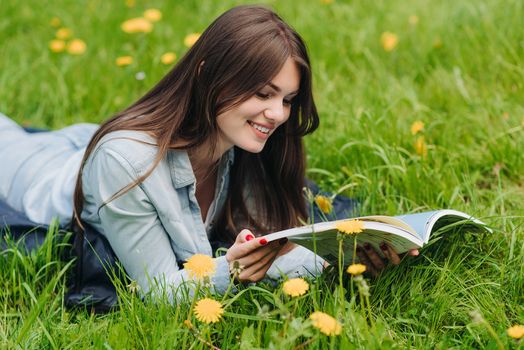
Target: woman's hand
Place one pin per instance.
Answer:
(374, 262)
(254, 255)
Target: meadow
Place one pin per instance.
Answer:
(422, 107)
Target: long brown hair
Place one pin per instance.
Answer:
(237, 55)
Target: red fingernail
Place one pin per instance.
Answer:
(383, 246)
(249, 237)
(263, 241)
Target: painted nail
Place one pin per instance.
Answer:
(282, 241)
(383, 246)
(263, 241)
(249, 237)
(367, 246)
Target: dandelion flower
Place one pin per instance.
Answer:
(153, 15)
(57, 45)
(389, 41)
(124, 61)
(350, 227)
(55, 22)
(420, 146)
(437, 43)
(200, 266)
(356, 269)
(76, 47)
(516, 331)
(417, 127)
(137, 25)
(324, 203)
(413, 20)
(130, 3)
(191, 39)
(168, 58)
(295, 287)
(325, 323)
(133, 287)
(64, 33)
(208, 310)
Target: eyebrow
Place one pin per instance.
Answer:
(277, 89)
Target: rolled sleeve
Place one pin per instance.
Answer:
(299, 262)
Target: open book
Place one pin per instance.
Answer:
(402, 232)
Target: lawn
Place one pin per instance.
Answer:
(422, 107)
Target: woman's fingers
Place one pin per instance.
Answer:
(256, 271)
(413, 252)
(244, 236)
(364, 259)
(373, 256)
(390, 253)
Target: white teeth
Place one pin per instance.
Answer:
(259, 128)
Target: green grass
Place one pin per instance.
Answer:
(468, 90)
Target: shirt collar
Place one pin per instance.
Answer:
(182, 172)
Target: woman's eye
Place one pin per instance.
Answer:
(262, 95)
(288, 102)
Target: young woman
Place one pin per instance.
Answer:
(214, 150)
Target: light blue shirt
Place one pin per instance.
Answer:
(158, 223)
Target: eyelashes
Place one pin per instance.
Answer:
(263, 96)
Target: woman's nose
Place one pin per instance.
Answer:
(276, 112)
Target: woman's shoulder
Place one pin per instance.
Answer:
(136, 147)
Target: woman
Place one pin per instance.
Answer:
(214, 147)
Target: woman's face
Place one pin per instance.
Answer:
(251, 123)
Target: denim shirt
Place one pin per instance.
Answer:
(158, 224)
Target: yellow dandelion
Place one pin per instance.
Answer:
(437, 43)
(137, 25)
(153, 15)
(130, 3)
(413, 20)
(200, 266)
(191, 39)
(188, 324)
(55, 22)
(356, 269)
(420, 146)
(324, 203)
(516, 331)
(76, 47)
(208, 310)
(295, 287)
(350, 227)
(57, 45)
(417, 127)
(325, 323)
(389, 41)
(168, 58)
(124, 61)
(64, 33)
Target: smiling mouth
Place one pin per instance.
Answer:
(260, 128)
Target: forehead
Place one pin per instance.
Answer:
(287, 79)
